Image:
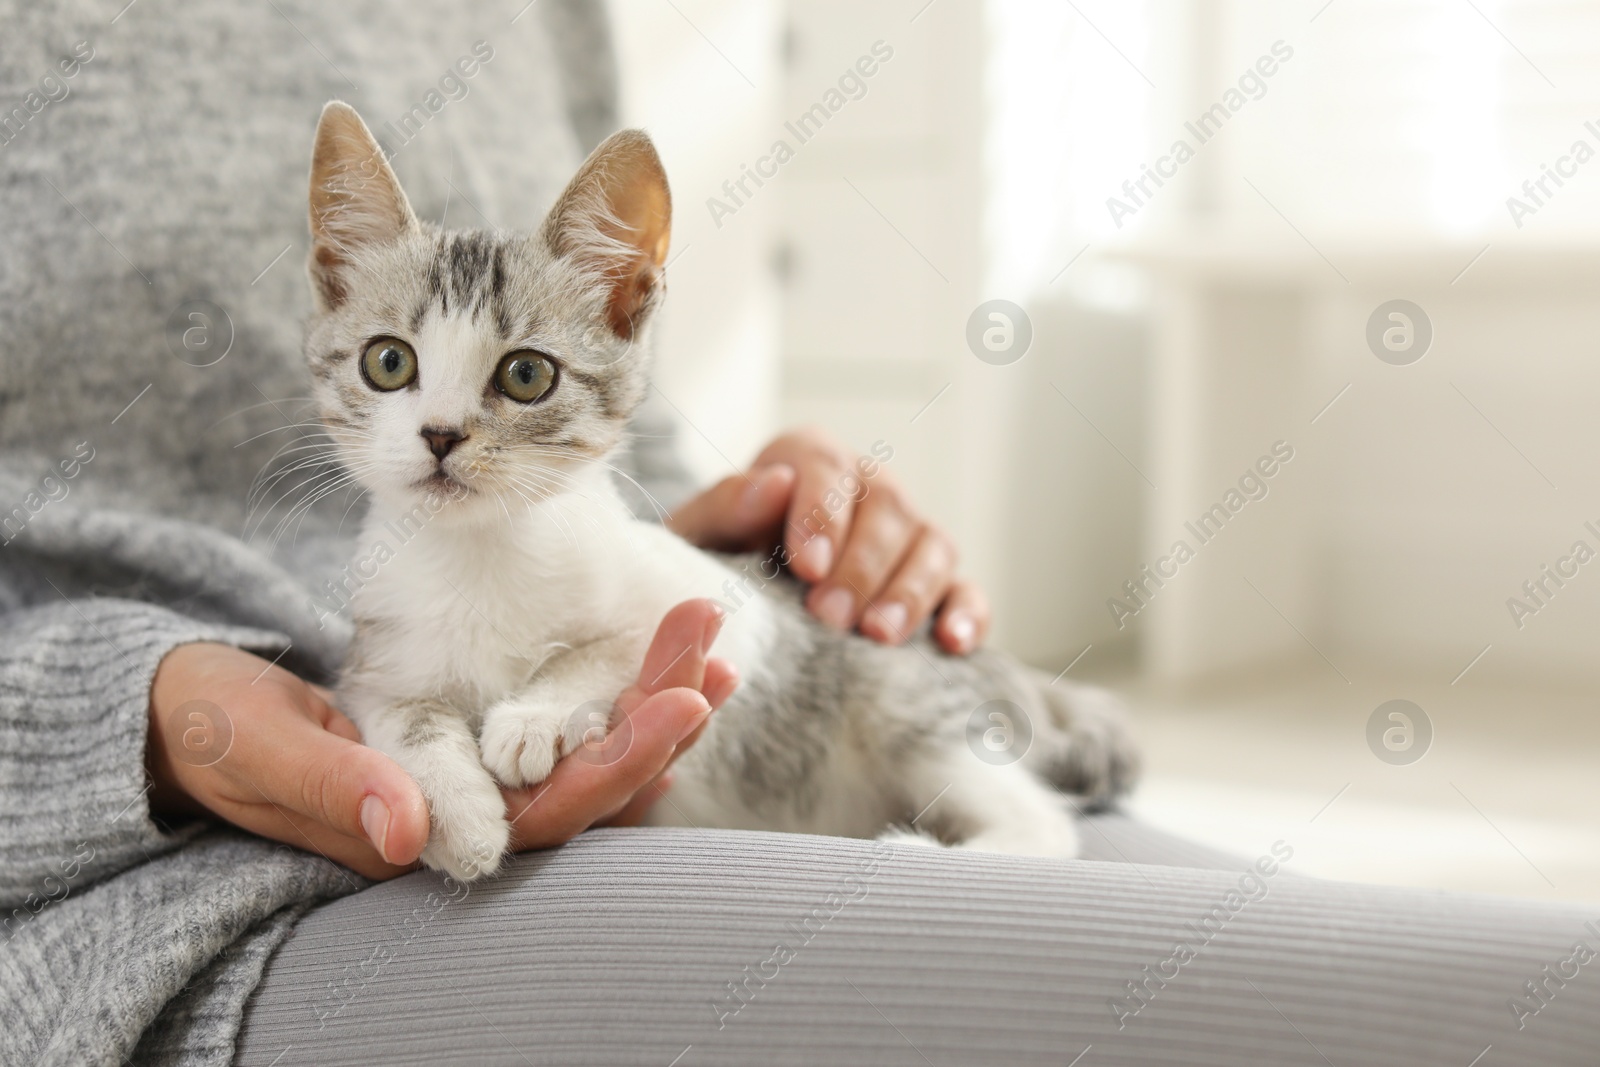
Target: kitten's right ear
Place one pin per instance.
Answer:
(616, 219)
(355, 200)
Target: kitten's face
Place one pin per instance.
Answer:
(481, 369)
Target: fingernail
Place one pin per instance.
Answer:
(963, 629)
(819, 553)
(375, 821)
(708, 636)
(835, 608)
(894, 616)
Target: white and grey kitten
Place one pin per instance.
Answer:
(475, 383)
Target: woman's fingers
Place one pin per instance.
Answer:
(236, 737)
(831, 483)
(820, 514)
(284, 757)
(883, 533)
(873, 562)
(336, 723)
(590, 785)
(311, 835)
(677, 654)
(633, 813)
(663, 710)
(720, 682)
(964, 618)
(739, 513)
(716, 679)
(722, 679)
(917, 585)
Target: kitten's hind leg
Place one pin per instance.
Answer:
(431, 741)
(994, 808)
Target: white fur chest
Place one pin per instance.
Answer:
(469, 612)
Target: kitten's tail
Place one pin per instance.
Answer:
(1082, 744)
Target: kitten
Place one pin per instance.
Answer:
(475, 383)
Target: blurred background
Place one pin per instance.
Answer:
(1201, 215)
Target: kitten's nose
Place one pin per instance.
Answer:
(440, 442)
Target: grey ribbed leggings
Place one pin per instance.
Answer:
(681, 948)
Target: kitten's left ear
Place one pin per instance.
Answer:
(616, 219)
(355, 199)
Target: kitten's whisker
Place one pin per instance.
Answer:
(327, 452)
(341, 480)
(315, 432)
(298, 519)
(661, 512)
(320, 439)
(567, 452)
(320, 453)
(279, 429)
(306, 442)
(312, 484)
(259, 492)
(566, 527)
(263, 503)
(264, 403)
(308, 487)
(301, 440)
(574, 489)
(501, 501)
(352, 504)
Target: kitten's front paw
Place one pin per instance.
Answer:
(522, 740)
(467, 829)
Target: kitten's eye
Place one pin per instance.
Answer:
(525, 376)
(389, 365)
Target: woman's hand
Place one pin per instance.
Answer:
(663, 713)
(247, 742)
(873, 561)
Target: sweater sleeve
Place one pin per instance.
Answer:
(74, 696)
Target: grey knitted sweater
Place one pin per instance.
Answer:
(151, 157)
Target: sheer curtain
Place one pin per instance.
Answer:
(1394, 121)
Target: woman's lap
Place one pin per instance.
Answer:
(666, 947)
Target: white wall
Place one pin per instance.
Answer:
(1378, 166)
(705, 78)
